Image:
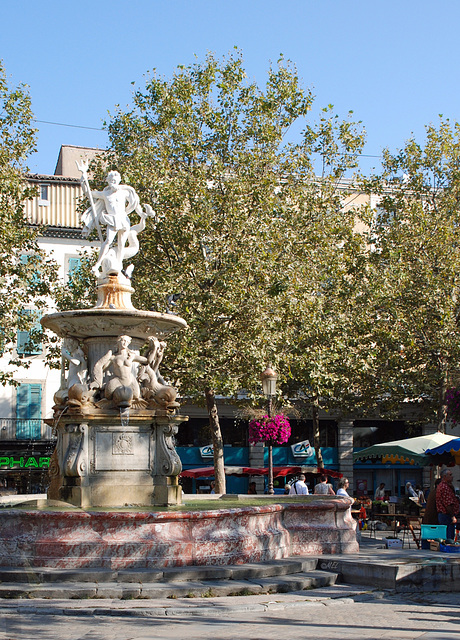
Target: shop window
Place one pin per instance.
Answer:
(196, 432)
(303, 430)
(28, 411)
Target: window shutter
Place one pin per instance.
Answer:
(36, 277)
(28, 411)
(23, 345)
(74, 266)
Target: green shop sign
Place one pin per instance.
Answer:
(24, 462)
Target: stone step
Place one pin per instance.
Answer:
(413, 572)
(156, 590)
(36, 575)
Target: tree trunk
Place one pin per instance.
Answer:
(217, 442)
(442, 410)
(316, 433)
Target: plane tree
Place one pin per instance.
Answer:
(227, 165)
(415, 267)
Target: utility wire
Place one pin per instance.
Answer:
(61, 124)
(79, 126)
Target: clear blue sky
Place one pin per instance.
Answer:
(395, 63)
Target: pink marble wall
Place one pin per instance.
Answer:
(119, 540)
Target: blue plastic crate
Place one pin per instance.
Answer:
(449, 548)
(433, 531)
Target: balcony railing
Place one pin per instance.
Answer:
(18, 429)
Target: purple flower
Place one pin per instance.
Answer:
(274, 430)
(453, 404)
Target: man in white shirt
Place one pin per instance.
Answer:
(299, 487)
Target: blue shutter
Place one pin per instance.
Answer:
(74, 268)
(24, 258)
(23, 346)
(74, 265)
(28, 411)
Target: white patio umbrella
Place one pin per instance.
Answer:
(407, 451)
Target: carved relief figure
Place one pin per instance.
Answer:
(111, 208)
(78, 368)
(73, 391)
(154, 387)
(122, 388)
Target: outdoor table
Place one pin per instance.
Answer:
(405, 521)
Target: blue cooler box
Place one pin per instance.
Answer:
(432, 532)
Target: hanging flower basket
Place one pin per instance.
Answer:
(274, 430)
(453, 404)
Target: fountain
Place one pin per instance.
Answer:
(114, 415)
(115, 462)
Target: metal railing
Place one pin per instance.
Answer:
(18, 429)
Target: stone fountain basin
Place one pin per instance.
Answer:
(120, 539)
(110, 323)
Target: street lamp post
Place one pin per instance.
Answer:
(269, 378)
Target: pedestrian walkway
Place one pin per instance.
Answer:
(372, 574)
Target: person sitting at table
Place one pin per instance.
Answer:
(420, 495)
(322, 488)
(343, 486)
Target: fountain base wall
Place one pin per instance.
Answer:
(101, 462)
(123, 540)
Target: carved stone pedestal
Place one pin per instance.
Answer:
(113, 461)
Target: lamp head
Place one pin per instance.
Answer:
(269, 378)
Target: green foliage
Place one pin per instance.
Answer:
(79, 292)
(415, 269)
(24, 283)
(238, 210)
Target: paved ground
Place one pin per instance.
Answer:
(431, 617)
(342, 612)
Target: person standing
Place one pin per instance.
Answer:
(380, 492)
(431, 513)
(447, 503)
(299, 487)
(410, 491)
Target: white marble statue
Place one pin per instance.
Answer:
(120, 361)
(78, 368)
(153, 386)
(110, 208)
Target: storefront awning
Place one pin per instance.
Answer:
(278, 472)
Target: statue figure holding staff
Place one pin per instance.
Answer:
(111, 208)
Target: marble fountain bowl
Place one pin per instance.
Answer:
(100, 322)
(59, 536)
